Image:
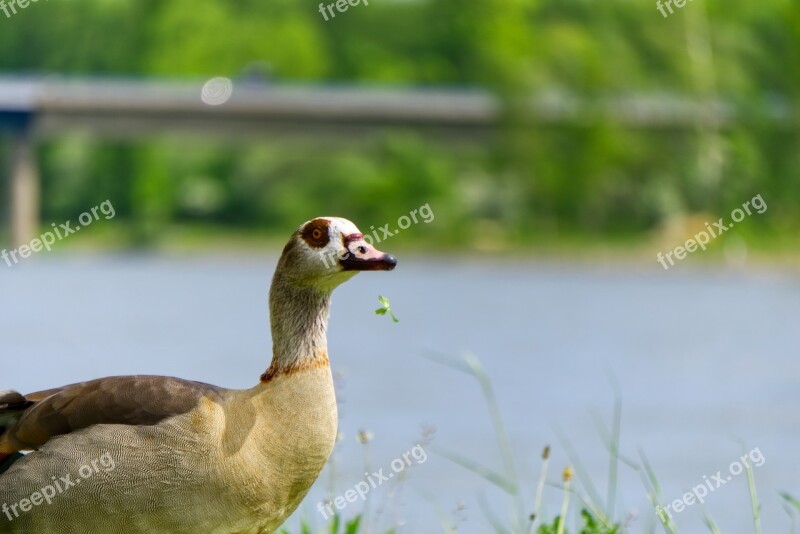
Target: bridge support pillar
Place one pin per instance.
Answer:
(23, 189)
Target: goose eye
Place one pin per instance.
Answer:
(362, 249)
(316, 234)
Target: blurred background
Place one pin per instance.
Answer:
(561, 146)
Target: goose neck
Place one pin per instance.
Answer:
(299, 324)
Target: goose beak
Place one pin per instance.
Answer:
(361, 256)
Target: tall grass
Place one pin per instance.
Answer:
(594, 518)
(591, 516)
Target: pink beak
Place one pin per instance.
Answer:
(362, 256)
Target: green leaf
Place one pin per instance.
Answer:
(335, 524)
(352, 526)
(387, 308)
(791, 500)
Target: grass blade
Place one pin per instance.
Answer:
(751, 486)
(484, 472)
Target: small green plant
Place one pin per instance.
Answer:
(351, 527)
(590, 526)
(386, 308)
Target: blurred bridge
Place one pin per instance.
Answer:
(36, 108)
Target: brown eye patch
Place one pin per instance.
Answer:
(315, 233)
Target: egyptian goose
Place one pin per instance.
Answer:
(145, 454)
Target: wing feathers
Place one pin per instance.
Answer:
(131, 400)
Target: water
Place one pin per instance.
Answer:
(705, 363)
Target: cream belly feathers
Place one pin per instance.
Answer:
(154, 454)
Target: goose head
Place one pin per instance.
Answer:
(327, 251)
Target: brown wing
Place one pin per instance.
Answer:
(12, 406)
(128, 400)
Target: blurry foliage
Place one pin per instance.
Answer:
(534, 179)
(590, 526)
